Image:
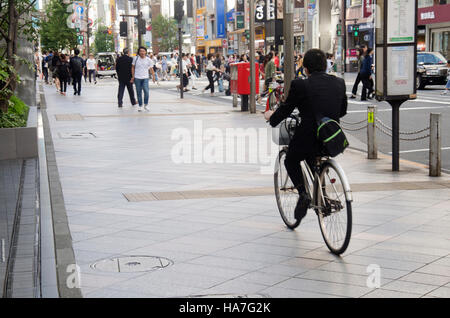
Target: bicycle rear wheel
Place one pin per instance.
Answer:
(285, 193)
(335, 210)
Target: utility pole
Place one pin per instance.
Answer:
(127, 12)
(288, 27)
(139, 17)
(88, 5)
(253, 78)
(180, 60)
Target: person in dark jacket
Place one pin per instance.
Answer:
(76, 68)
(320, 95)
(366, 76)
(361, 52)
(123, 69)
(62, 68)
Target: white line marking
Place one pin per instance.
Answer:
(419, 150)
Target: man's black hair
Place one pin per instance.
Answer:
(142, 47)
(315, 60)
(76, 52)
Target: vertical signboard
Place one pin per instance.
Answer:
(240, 6)
(270, 4)
(367, 8)
(399, 17)
(260, 11)
(220, 16)
(279, 10)
(200, 25)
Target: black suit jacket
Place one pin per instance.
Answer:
(123, 68)
(320, 95)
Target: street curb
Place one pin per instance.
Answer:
(64, 252)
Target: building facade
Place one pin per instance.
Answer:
(434, 26)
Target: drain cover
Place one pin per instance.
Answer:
(128, 264)
(81, 135)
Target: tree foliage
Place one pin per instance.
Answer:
(16, 19)
(55, 33)
(166, 31)
(104, 42)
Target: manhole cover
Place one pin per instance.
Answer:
(230, 296)
(128, 264)
(81, 135)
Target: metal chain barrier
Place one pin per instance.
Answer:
(356, 123)
(356, 129)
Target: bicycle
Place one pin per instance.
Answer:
(326, 184)
(276, 94)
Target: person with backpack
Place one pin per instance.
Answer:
(76, 69)
(319, 96)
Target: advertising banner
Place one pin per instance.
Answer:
(220, 15)
(260, 11)
(200, 25)
(367, 8)
(270, 4)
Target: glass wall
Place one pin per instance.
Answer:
(440, 42)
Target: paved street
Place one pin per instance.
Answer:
(415, 115)
(125, 196)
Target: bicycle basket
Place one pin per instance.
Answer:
(283, 133)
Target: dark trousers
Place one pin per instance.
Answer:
(45, 73)
(355, 86)
(63, 82)
(210, 76)
(77, 83)
(91, 72)
(129, 87)
(367, 86)
(302, 147)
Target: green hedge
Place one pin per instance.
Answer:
(17, 114)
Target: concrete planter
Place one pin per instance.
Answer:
(20, 143)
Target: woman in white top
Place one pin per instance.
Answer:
(210, 68)
(91, 65)
(140, 69)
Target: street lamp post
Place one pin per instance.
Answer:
(288, 26)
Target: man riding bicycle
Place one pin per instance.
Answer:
(320, 95)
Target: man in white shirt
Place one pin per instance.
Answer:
(140, 69)
(91, 65)
(184, 68)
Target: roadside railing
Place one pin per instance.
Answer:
(372, 124)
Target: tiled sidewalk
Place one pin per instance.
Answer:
(231, 245)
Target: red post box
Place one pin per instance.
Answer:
(240, 78)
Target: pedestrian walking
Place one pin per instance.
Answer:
(84, 67)
(361, 52)
(447, 87)
(140, 73)
(55, 61)
(366, 76)
(91, 66)
(210, 69)
(45, 67)
(124, 74)
(63, 73)
(184, 72)
(76, 69)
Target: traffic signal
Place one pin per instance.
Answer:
(356, 30)
(123, 28)
(247, 34)
(338, 29)
(179, 12)
(80, 39)
(141, 26)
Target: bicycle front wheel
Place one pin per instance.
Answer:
(285, 193)
(334, 209)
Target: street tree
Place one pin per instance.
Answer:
(166, 32)
(55, 33)
(16, 23)
(104, 42)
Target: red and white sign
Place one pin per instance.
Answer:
(367, 8)
(435, 14)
